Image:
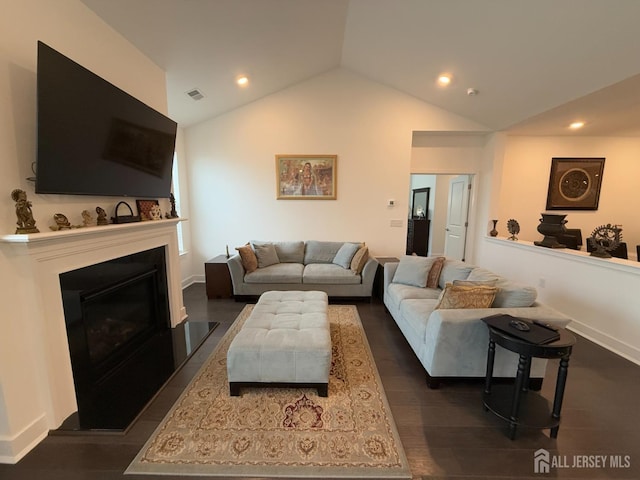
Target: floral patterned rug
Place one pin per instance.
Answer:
(282, 432)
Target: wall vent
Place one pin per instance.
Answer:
(195, 94)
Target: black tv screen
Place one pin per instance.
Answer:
(96, 139)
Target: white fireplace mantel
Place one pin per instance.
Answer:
(35, 262)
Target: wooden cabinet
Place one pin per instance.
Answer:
(418, 237)
(218, 278)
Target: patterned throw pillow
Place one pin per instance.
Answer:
(434, 273)
(466, 296)
(359, 260)
(248, 258)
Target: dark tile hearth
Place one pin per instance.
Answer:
(445, 433)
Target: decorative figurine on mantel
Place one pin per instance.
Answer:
(62, 223)
(604, 239)
(172, 213)
(155, 213)
(87, 219)
(26, 223)
(102, 216)
(514, 229)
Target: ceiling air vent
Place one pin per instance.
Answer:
(195, 94)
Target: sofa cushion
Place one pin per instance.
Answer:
(510, 294)
(290, 252)
(266, 253)
(413, 270)
(329, 274)
(454, 270)
(475, 283)
(513, 295)
(248, 258)
(479, 274)
(320, 252)
(277, 273)
(345, 254)
(466, 296)
(359, 260)
(434, 272)
(398, 292)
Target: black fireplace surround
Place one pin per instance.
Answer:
(118, 326)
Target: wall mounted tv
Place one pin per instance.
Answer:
(95, 139)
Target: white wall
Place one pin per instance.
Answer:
(601, 295)
(527, 165)
(369, 126)
(71, 28)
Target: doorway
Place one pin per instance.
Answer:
(448, 208)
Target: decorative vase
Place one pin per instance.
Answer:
(494, 232)
(551, 225)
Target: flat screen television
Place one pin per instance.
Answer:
(94, 138)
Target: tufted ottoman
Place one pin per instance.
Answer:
(285, 342)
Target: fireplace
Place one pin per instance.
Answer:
(38, 387)
(117, 322)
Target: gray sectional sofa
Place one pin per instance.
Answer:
(453, 342)
(311, 265)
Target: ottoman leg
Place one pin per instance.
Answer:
(234, 389)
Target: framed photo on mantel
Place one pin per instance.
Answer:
(574, 183)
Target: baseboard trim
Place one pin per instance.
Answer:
(612, 344)
(12, 449)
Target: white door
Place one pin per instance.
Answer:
(457, 217)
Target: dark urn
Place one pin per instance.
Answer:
(551, 225)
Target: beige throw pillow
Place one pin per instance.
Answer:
(248, 258)
(434, 273)
(359, 260)
(466, 296)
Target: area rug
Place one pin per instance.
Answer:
(282, 432)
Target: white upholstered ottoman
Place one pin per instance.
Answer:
(285, 342)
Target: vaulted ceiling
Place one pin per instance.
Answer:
(536, 65)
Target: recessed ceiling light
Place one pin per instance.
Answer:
(242, 80)
(576, 125)
(444, 79)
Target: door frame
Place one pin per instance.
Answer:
(473, 206)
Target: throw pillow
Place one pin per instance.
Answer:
(345, 254)
(360, 259)
(248, 258)
(413, 270)
(466, 296)
(434, 273)
(266, 254)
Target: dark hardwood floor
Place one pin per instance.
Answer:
(446, 433)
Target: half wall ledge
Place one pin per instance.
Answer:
(601, 295)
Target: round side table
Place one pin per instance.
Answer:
(515, 403)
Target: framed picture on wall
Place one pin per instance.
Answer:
(308, 177)
(574, 183)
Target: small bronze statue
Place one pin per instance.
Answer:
(62, 223)
(172, 213)
(102, 216)
(87, 219)
(26, 223)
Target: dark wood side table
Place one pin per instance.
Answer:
(218, 278)
(516, 403)
(378, 281)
